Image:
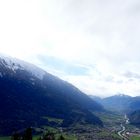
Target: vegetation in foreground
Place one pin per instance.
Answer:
(5, 138)
(49, 135)
(78, 132)
(84, 132)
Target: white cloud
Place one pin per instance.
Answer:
(101, 35)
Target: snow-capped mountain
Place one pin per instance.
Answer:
(14, 64)
(121, 103)
(118, 102)
(29, 95)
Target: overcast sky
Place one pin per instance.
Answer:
(93, 44)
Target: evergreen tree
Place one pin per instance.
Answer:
(48, 136)
(28, 134)
(15, 136)
(61, 138)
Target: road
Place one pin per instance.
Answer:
(122, 132)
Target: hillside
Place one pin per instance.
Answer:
(30, 96)
(134, 117)
(119, 102)
(134, 109)
(134, 104)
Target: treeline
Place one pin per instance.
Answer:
(27, 135)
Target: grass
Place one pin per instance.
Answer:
(8, 138)
(5, 138)
(56, 120)
(106, 117)
(104, 134)
(135, 138)
(51, 129)
(57, 134)
(115, 135)
(36, 137)
(67, 137)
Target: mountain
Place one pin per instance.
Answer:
(30, 96)
(119, 102)
(134, 117)
(134, 104)
(134, 111)
(96, 98)
(123, 104)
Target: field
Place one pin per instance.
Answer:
(5, 138)
(135, 138)
(67, 137)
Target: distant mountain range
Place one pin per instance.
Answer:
(30, 96)
(134, 114)
(119, 102)
(135, 103)
(123, 104)
(134, 117)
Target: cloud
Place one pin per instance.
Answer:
(90, 43)
(131, 75)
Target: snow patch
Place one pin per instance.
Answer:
(15, 64)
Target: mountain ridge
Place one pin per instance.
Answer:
(27, 99)
(119, 102)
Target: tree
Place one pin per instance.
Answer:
(61, 138)
(15, 136)
(28, 134)
(48, 136)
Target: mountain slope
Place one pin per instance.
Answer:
(119, 102)
(134, 111)
(96, 98)
(134, 117)
(134, 104)
(29, 95)
(123, 104)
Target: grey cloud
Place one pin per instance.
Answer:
(131, 75)
(109, 79)
(119, 81)
(111, 21)
(113, 28)
(131, 80)
(112, 79)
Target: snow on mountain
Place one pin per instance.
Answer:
(14, 64)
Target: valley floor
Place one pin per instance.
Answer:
(116, 128)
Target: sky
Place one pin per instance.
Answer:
(93, 44)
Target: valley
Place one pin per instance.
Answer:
(33, 98)
(116, 128)
(69, 70)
